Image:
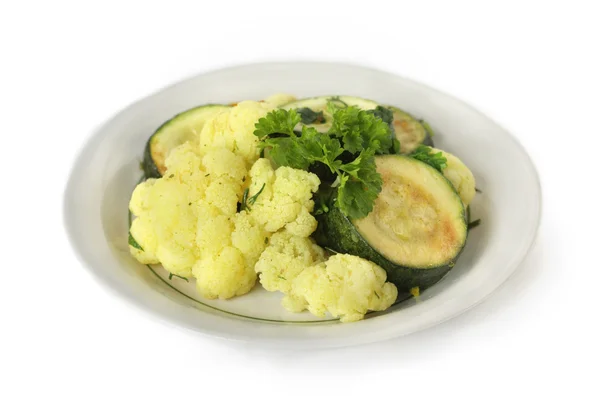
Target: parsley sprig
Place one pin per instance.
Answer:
(348, 149)
(434, 159)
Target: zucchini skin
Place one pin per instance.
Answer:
(337, 232)
(148, 165)
(428, 141)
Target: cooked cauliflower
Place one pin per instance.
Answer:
(165, 224)
(249, 237)
(144, 234)
(285, 199)
(277, 100)
(285, 258)
(234, 130)
(167, 209)
(460, 176)
(223, 275)
(346, 286)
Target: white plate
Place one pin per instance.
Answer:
(98, 191)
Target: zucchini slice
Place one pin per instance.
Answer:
(416, 230)
(181, 128)
(318, 107)
(409, 131)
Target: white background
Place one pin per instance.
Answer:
(68, 66)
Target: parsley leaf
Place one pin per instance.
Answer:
(348, 150)
(385, 114)
(354, 199)
(426, 154)
(360, 187)
(360, 130)
(286, 151)
(309, 116)
(277, 121)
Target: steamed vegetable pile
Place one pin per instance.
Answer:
(339, 203)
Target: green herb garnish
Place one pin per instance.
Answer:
(309, 116)
(133, 243)
(426, 154)
(383, 113)
(180, 277)
(247, 201)
(474, 224)
(353, 132)
(244, 204)
(337, 101)
(252, 199)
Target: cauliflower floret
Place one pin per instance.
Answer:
(224, 275)
(165, 226)
(169, 210)
(234, 130)
(285, 198)
(184, 160)
(345, 285)
(214, 233)
(224, 193)
(144, 234)
(281, 99)
(304, 225)
(297, 184)
(460, 176)
(140, 201)
(249, 237)
(223, 162)
(284, 259)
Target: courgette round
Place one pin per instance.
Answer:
(181, 128)
(409, 131)
(417, 228)
(314, 110)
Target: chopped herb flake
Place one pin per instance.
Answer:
(133, 243)
(309, 116)
(474, 224)
(180, 277)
